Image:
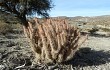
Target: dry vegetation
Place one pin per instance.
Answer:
(54, 40)
(6, 28)
(8, 23)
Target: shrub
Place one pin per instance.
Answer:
(94, 30)
(105, 29)
(5, 28)
(54, 40)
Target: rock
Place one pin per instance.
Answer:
(1, 56)
(11, 44)
(17, 47)
(2, 67)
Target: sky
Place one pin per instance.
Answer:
(73, 8)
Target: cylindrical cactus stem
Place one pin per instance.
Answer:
(54, 40)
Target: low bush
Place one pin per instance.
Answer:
(105, 29)
(94, 30)
(5, 28)
(9, 27)
(54, 40)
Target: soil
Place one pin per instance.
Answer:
(16, 54)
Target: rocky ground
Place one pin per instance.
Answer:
(16, 54)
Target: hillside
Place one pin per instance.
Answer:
(96, 20)
(103, 20)
(6, 17)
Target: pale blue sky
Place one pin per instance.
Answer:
(72, 8)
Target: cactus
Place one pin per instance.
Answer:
(54, 40)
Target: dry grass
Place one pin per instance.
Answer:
(9, 27)
(54, 40)
(105, 29)
(4, 28)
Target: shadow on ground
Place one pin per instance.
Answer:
(99, 35)
(89, 57)
(96, 35)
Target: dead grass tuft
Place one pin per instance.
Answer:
(5, 28)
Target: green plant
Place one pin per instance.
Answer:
(23, 8)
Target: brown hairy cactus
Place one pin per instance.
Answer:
(54, 40)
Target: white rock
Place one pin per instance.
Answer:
(2, 67)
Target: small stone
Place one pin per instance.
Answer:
(1, 56)
(17, 48)
(2, 67)
(10, 44)
(4, 61)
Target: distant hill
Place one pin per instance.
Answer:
(99, 20)
(96, 20)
